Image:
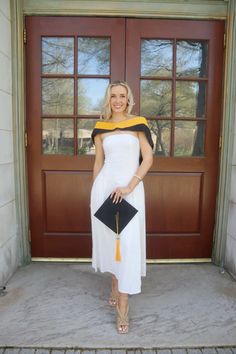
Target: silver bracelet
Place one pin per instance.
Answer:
(138, 177)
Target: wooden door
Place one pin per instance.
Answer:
(175, 71)
(70, 61)
(177, 74)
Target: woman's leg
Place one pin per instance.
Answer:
(122, 310)
(113, 299)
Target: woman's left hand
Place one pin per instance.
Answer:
(119, 193)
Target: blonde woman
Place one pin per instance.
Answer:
(123, 146)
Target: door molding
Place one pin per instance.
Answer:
(203, 9)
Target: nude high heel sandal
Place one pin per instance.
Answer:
(122, 321)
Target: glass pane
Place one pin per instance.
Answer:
(189, 138)
(190, 99)
(58, 136)
(156, 57)
(85, 143)
(57, 55)
(94, 56)
(91, 93)
(155, 98)
(57, 96)
(160, 130)
(192, 58)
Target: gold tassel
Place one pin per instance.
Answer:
(118, 256)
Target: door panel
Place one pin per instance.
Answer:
(70, 61)
(177, 76)
(175, 70)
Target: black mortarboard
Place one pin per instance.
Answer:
(116, 216)
(108, 211)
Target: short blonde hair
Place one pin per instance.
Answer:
(106, 111)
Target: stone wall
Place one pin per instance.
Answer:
(8, 227)
(231, 231)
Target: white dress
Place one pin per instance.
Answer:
(122, 151)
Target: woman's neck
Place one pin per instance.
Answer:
(118, 117)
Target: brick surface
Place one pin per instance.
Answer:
(43, 351)
(224, 351)
(209, 351)
(179, 351)
(118, 351)
(12, 351)
(163, 351)
(194, 351)
(233, 350)
(58, 351)
(104, 351)
(27, 351)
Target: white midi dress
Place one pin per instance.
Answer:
(122, 152)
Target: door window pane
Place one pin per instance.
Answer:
(57, 55)
(192, 58)
(190, 99)
(58, 136)
(189, 138)
(160, 130)
(94, 56)
(57, 96)
(155, 99)
(85, 144)
(156, 57)
(91, 93)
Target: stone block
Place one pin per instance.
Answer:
(27, 351)
(7, 223)
(7, 183)
(5, 8)
(179, 351)
(5, 73)
(12, 351)
(6, 146)
(5, 111)
(8, 260)
(233, 185)
(5, 35)
(209, 351)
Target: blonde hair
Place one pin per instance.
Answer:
(106, 111)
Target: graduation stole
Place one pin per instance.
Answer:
(136, 124)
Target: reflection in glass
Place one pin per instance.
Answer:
(91, 93)
(155, 100)
(93, 56)
(156, 57)
(190, 99)
(57, 55)
(57, 96)
(58, 136)
(189, 138)
(192, 58)
(85, 143)
(160, 130)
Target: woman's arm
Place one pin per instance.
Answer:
(99, 157)
(147, 161)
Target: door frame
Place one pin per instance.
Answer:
(203, 10)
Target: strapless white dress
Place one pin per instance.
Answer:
(122, 151)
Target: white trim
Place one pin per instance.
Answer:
(203, 9)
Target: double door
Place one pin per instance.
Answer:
(174, 68)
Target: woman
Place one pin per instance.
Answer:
(121, 142)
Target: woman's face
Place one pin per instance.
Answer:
(119, 99)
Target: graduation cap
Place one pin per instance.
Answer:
(116, 216)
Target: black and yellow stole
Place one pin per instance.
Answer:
(136, 124)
